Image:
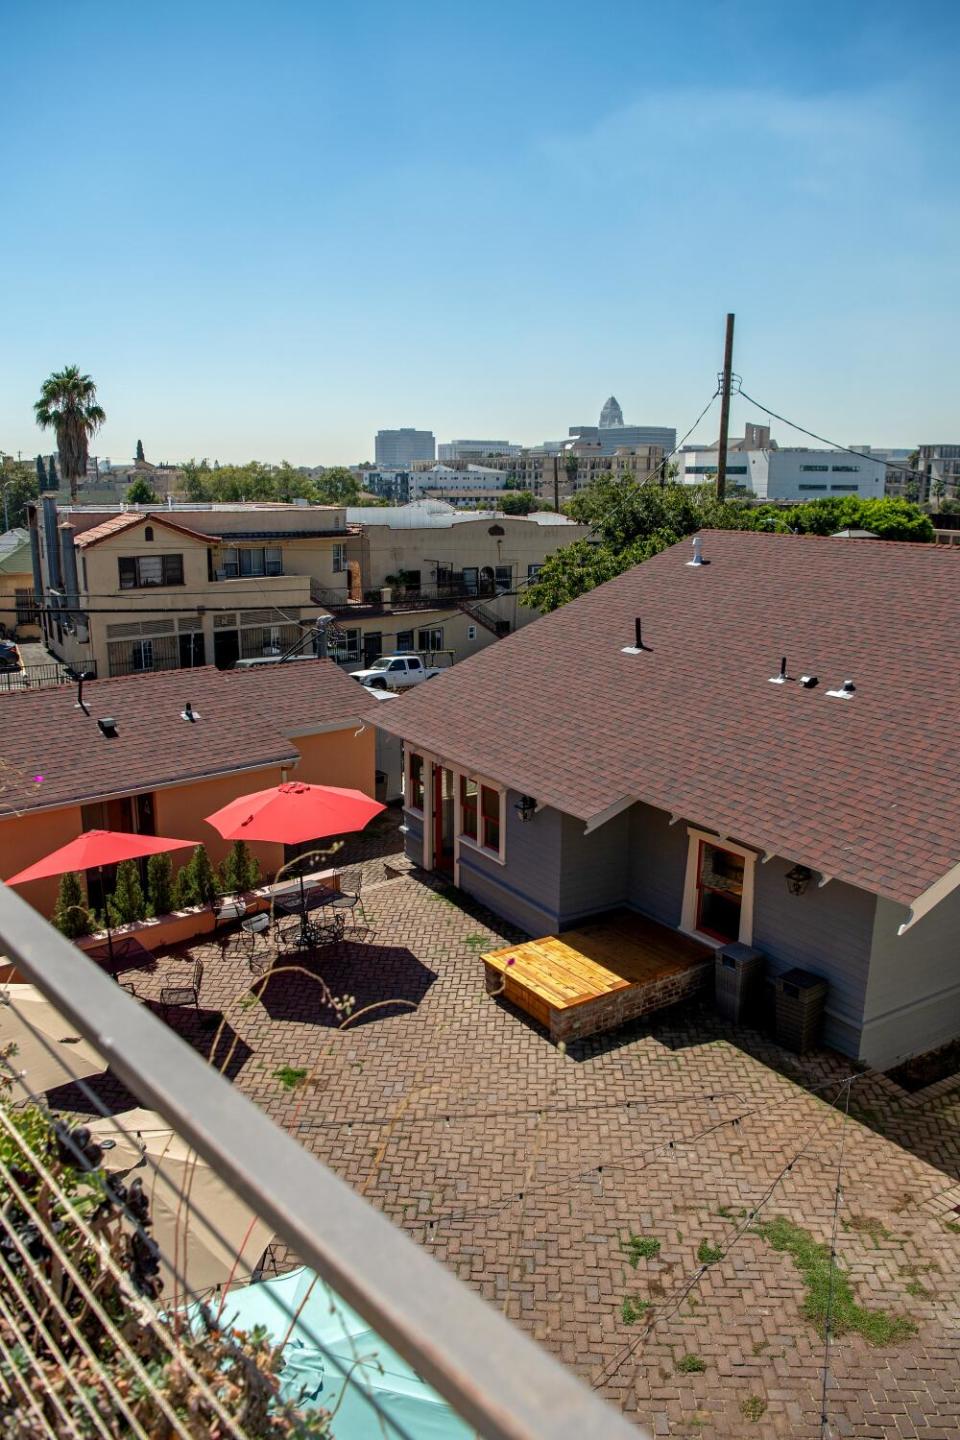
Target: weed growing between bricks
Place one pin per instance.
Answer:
(812, 1259)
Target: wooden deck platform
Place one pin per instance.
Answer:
(600, 975)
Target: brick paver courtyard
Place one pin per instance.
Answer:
(526, 1170)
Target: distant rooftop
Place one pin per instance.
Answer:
(438, 515)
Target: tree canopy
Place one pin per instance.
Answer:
(517, 502)
(141, 492)
(631, 522)
(20, 486)
(68, 406)
(256, 481)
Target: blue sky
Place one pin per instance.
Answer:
(270, 229)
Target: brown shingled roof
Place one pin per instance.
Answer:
(247, 719)
(866, 790)
(117, 524)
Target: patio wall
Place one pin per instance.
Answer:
(27, 838)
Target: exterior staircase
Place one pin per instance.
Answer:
(485, 617)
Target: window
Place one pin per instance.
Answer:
(468, 807)
(27, 612)
(845, 487)
(140, 572)
(471, 632)
(415, 788)
(503, 577)
(404, 639)
(346, 645)
(255, 561)
(490, 816)
(814, 467)
(141, 655)
(812, 487)
(533, 571)
(850, 469)
(718, 892)
(339, 559)
(148, 532)
(431, 639)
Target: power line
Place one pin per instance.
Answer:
(833, 444)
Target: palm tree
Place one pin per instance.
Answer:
(68, 405)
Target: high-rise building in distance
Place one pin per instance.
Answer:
(405, 447)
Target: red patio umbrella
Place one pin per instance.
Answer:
(292, 813)
(94, 849)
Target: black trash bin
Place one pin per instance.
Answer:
(800, 1000)
(738, 970)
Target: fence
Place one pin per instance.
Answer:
(39, 677)
(497, 1380)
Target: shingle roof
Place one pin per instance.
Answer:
(246, 721)
(118, 523)
(15, 551)
(866, 790)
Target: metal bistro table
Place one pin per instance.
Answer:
(311, 933)
(125, 953)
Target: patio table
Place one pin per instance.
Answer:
(288, 902)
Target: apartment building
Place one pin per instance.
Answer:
(439, 580)
(940, 470)
(558, 475)
(475, 450)
(126, 591)
(787, 474)
(131, 590)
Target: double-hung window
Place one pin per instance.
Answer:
(490, 818)
(469, 799)
(481, 809)
(253, 561)
(141, 572)
(339, 559)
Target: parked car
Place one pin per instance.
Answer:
(9, 656)
(395, 672)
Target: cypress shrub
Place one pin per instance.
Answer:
(70, 914)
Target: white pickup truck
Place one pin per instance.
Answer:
(395, 672)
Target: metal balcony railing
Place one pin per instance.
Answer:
(497, 1379)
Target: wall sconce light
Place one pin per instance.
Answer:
(798, 879)
(526, 807)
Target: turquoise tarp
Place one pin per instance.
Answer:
(329, 1338)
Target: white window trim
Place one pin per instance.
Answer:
(688, 915)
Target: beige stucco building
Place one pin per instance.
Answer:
(552, 476)
(131, 590)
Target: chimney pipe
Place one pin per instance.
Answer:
(638, 647)
(639, 633)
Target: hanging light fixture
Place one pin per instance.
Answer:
(798, 879)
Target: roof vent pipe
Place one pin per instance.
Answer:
(846, 691)
(638, 646)
(188, 713)
(697, 557)
(783, 677)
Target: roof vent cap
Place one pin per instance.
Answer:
(108, 727)
(809, 682)
(846, 691)
(188, 713)
(698, 559)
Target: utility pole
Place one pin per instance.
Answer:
(725, 411)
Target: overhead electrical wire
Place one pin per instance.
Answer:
(833, 444)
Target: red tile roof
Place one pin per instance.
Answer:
(117, 524)
(247, 719)
(866, 790)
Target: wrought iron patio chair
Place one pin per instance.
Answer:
(186, 994)
(351, 884)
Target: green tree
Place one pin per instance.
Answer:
(53, 482)
(938, 489)
(140, 454)
(68, 405)
(41, 474)
(631, 522)
(127, 903)
(18, 479)
(338, 487)
(205, 885)
(141, 492)
(70, 913)
(240, 871)
(518, 502)
(160, 884)
(184, 890)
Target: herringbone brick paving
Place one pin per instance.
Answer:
(524, 1169)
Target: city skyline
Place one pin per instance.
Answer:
(271, 247)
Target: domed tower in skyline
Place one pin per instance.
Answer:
(611, 414)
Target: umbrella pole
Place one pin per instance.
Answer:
(106, 914)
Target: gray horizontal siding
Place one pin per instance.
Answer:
(594, 867)
(658, 860)
(828, 931)
(913, 998)
(526, 889)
